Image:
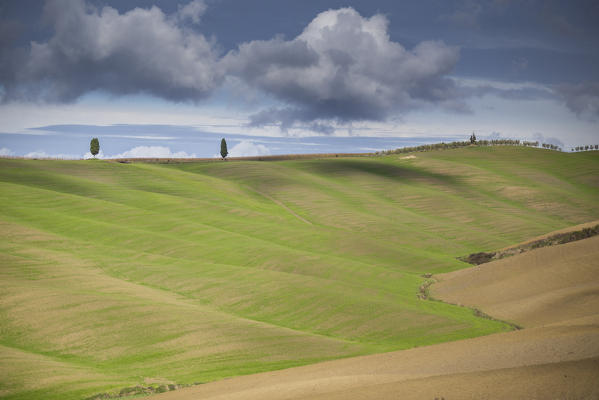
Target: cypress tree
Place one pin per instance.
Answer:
(94, 147)
(223, 148)
(473, 138)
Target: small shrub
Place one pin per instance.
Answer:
(161, 389)
(478, 258)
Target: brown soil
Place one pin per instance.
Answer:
(543, 286)
(551, 291)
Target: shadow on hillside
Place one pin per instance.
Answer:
(347, 168)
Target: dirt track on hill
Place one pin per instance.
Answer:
(553, 292)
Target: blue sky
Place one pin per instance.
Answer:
(167, 78)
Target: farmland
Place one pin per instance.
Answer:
(116, 275)
(554, 356)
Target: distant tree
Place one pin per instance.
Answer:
(94, 147)
(223, 148)
(473, 138)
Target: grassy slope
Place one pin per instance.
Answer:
(114, 274)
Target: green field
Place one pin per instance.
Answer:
(114, 275)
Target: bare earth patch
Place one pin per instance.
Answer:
(544, 286)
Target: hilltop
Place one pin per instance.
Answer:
(116, 275)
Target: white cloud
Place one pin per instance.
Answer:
(539, 137)
(192, 11)
(5, 151)
(344, 67)
(89, 155)
(247, 148)
(43, 154)
(139, 51)
(152, 152)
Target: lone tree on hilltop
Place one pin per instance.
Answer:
(473, 138)
(223, 148)
(94, 147)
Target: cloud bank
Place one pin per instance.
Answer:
(539, 137)
(136, 152)
(152, 152)
(5, 152)
(43, 154)
(344, 67)
(247, 148)
(581, 99)
(140, 51)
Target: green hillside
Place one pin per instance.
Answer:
(114, 275)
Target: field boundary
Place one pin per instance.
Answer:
(548, 240)
(424, 294)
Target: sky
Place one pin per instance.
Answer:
(167, 78)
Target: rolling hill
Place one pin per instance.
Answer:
(555, 356)
(116, 275)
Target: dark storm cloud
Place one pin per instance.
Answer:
(9, 31)
(582, 99)
(344, 67)
(289, 117)
(336, 66)
(139, 51)
(9, 55)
